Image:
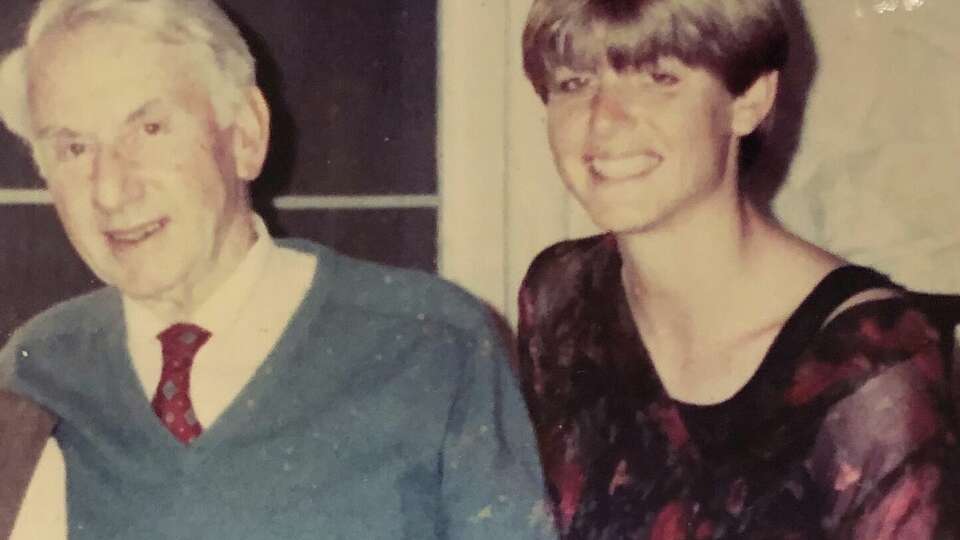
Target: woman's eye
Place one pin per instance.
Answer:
(572, 84)
(663, 78)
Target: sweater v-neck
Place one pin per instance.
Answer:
(244, 405)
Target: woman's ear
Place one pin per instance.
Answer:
(751, 107)
(251, 134)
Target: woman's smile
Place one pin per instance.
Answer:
(623, 167)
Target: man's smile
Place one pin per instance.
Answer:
(129, 236)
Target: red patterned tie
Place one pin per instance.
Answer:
(171, 402)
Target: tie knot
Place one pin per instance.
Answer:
(181, 342)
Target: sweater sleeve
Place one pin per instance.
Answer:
(492, 484)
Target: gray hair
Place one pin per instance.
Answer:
(200, 24)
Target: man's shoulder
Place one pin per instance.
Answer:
(65, 326)
(393, 292)
(81, 314)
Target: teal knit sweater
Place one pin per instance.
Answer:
(386, 410)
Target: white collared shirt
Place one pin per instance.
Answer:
(246, 315)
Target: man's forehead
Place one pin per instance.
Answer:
(105, 73)
(102, 49)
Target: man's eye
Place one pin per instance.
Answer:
(77, 149)
(67, 151)
(152, 128)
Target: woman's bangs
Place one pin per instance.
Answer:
(574, 44)
(583, 43)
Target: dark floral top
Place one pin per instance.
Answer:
(843, 432)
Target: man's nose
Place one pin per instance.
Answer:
(114, 184)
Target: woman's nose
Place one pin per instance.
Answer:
(609, 110)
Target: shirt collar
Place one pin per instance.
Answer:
(218, 313)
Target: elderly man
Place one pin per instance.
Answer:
(224, 385)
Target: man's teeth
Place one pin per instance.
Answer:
(624, 167)
(135, 234)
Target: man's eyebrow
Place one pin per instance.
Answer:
(48, 132)
(142, 111)
(55, 131)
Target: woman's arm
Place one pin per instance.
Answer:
(886, 455)
(547, 295)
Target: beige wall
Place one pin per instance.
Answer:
(501, 199)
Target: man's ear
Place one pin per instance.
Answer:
(251, 134)
(751, 107)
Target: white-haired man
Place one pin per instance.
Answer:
(224, 385)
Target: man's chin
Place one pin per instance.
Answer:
(144, 290)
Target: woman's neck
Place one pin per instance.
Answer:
(683, 261)
(715, 274)
(710, 295)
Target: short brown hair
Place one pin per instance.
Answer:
(736, 40)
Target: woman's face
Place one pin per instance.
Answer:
(638, 147)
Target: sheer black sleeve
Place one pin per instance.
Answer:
(885, 455)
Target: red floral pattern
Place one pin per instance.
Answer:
(671, 425)
(813, 377)
(670, 523)
(569, 481)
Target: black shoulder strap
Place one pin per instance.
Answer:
(944, 308)
(833, 290)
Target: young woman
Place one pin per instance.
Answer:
(698, 372)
